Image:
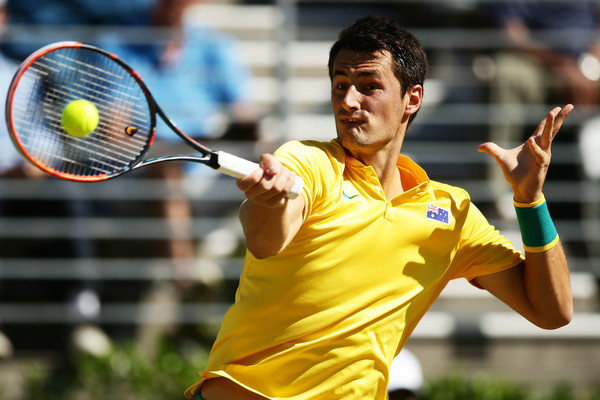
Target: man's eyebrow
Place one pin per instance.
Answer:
(363, 73)
(339, 72)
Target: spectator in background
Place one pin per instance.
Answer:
(552, 57)
(197, 78)
(194, 72)
(196, 75)
(174, 62)
(13, 165)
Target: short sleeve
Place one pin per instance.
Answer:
(483, 249)
(320, 165)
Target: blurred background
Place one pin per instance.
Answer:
(117, 289)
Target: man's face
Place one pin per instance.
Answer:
(367, 101)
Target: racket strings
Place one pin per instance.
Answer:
(66, 74)
(45, 149)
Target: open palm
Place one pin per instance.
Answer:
(525, 166)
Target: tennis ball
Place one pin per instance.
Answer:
(80, 118)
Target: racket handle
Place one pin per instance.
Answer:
(238, 167)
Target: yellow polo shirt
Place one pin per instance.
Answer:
(325, 317)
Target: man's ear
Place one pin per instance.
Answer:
(415, 96)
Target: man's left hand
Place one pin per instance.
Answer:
(525, 166)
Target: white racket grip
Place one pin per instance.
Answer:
(238, 167)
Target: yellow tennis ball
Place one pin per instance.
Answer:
(80, 118)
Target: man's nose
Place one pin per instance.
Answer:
(351, 99)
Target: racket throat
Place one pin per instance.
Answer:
(213, 161)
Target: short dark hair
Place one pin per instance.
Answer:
(374, 34)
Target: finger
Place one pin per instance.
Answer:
(251, 185)
(246, 183)
(491, 149)
(270, 199)
(545, 138)
(541, 156)
(539, 130)
(560, 118)
(270, 192)
(554, 122)
(270, 164)
(500, 155)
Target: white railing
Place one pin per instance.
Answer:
(304, 86)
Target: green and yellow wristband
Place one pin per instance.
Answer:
(537, 228)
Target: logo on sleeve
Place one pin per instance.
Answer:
(437, 214)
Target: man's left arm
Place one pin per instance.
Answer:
(538, 288)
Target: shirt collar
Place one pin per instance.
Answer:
(411, 173)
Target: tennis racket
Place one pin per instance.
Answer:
(54, 76)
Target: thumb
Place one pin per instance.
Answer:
(492, 149)
(270, 164)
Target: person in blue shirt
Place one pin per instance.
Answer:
(194, 72)
(197, 77)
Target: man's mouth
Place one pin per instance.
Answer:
(351, 120)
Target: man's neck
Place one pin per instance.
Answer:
(391, 182)
(387, 172)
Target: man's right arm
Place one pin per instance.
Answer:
(270, 219)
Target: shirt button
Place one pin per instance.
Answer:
(378, 188)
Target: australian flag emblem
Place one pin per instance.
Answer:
(437, 214)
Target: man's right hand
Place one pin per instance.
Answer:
(269, 185)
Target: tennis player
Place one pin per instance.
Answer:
(335, 281)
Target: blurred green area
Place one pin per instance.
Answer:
(463, 388)
(128, 371)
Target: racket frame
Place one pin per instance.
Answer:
(223, 162)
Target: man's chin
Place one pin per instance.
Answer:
(352, 137)
(353, 145)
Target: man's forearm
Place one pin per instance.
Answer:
(268, 230)
(548, 287)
